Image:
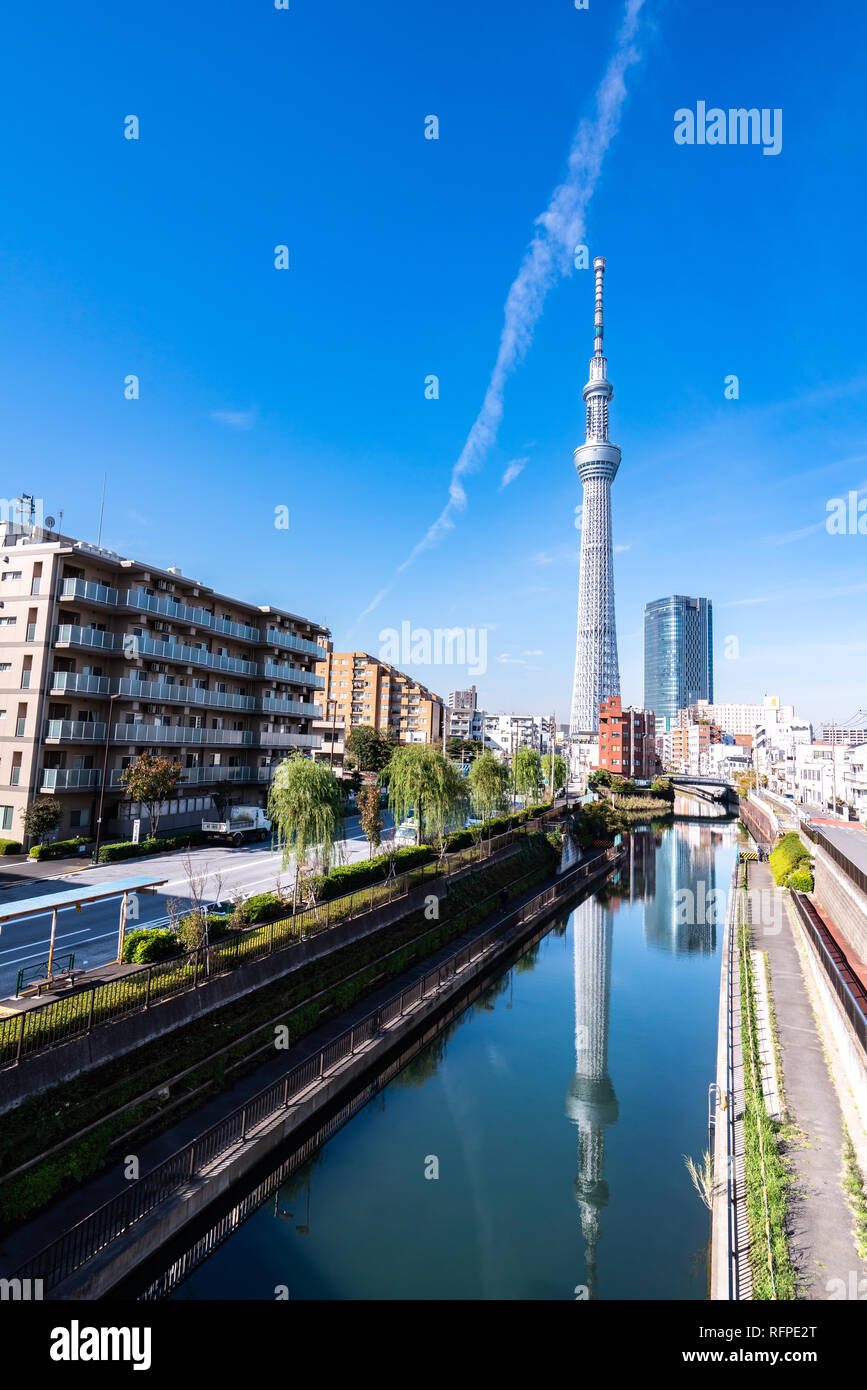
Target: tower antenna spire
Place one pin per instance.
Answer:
(599, 267)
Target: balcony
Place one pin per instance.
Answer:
(181, 735)
(171, 650)
(68, 778)
(295, 674)
(139, 601)
(160, 692)
(73, 730)
(68, 635)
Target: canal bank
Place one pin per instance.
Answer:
(534, 1148)
(112, 1224)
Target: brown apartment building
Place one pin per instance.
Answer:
(626, 739)
(362, 689)
(98, 650)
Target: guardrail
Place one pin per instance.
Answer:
(842, 979)
(83, 1241)
(858, 877)
(75, 1015)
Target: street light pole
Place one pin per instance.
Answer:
(111, 700)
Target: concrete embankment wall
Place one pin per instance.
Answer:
(844, 903)
(123, 1255)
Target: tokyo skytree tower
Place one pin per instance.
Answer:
(597, 674)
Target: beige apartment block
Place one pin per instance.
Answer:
(361, 689)
(103, 658)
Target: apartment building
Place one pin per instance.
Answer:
(464, 699)
(465, 723)
(103, 658)
(736, 718)
(504, 733)
(626, 739)
(362, 689)
(831, 778)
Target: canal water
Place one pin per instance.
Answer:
(536, 1149)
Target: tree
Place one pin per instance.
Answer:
(151, 780)
(422, 782)
(559, 771)
(528, 772)
(368, 749)
(488, 780)
(370, 809)
(304, 805)
(42, 817)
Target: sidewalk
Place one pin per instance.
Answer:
(821, 1223)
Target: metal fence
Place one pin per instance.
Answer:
(74, 1015)
(82, 1242)
(842, 979)
(851, 870)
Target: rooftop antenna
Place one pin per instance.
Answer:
(101, 509)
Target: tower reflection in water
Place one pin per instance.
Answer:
(591, 1103)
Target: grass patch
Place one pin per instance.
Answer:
(853, 1184)
(766, 1193)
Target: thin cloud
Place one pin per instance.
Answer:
(559, 229)
(512, 471)
(235, 419)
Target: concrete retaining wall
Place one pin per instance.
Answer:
(845, 904)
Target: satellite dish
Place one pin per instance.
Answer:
(49, 522)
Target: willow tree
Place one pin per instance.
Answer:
(424, 784)
(488, 780)
(528, 772)
(304, 807)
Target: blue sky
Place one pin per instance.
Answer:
(306, 388)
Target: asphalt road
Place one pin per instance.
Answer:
(92, 933)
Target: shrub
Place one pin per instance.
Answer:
(789, 854)
(148, 944)
(126, 849)
(10, 846)
(263, 906)
(59, 850)
(801, 880)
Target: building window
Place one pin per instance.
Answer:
(5, 817)
(9, 575)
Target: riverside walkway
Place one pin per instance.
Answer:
(816, 1108)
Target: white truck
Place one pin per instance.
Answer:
(243, 823)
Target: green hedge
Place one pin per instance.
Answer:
(149, 944)
(10, 846)
(125, 849)
(789, 854)
(801, 880)
(58, 850)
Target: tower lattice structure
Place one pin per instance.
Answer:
(597, 674)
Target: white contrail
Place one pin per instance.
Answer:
(559, 229)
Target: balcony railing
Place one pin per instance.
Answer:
(178, 734)
(75, 730)
(160, 692)
(69, 634)
(69, 778)
(142, 602)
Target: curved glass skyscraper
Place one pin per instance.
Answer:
(678, 653)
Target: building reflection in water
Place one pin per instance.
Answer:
(591, 1103)
(682, 915)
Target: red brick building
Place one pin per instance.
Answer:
(626, 739)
